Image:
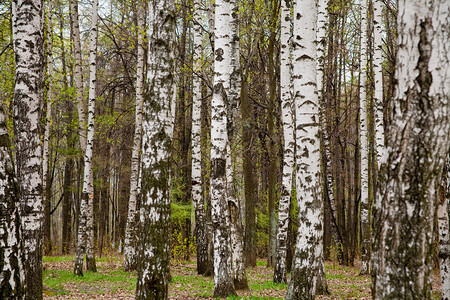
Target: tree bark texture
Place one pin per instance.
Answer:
(154, 224)
(28, 101)
(10, 246)
(287, 111)
(308, 273)
(223, 277)
(364, 144)
(443, 230)
(417, 144)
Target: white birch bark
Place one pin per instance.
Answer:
(10, 248)
(378, 77)
(417, 145)
(443, 230)
(289, 143)
(223, 278)
(78, 74)
(130, 231)
(307, 275)
(237, 240)
(364, 144)
(86, 218)
(197, 181)
(154, 225)
(28, 101)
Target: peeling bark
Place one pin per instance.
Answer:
(28, 101)
(417, 145)
(154, 225)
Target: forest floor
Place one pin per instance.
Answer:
(111, 282)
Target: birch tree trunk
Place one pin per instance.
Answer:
(78, 74)
(28, 100)
(130, 231)
(443, 228)
(365, 237)
(289, 144)
(378, 77)
(10, 247)
(417, 142)
(197, 181)
(307, 275)
(223, 278)
(154, 224)
(236, 230)
(86, 223)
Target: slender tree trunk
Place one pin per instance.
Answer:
(365, 238)
(271, 149)
(78, 74)
(197, 179)
(28, 101)
(443, 230)
(45, 156)
(129, 245)
(378, 77)
(249, 177)
(157, 128)
(417, 142)
(86, 223)
(237, 241)
(308, 273)
(10, 246)
(289, 144)
(70, 140)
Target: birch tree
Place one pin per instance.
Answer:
(78, 73)
(130, 231)
(28, 100)
(154, 224)
(10, 247)
(289, 143)
(236, 230)
(417, 144)
(308, 271)
(378, 77)
(223, 278)
(86, 223)
(364, 144)
(197, 193)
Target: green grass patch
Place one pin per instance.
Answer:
(268, 285)
(100, 281)
(261, 263)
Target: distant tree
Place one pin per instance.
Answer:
(130, 231)
(28, 100)
(417, 145)
(86, 223)
(154, 225)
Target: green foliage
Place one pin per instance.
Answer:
(179, 246)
